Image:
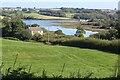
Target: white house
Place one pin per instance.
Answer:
(34, 30)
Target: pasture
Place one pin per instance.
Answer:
(52, 58)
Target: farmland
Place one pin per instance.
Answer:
(51, 58)
(38, 16)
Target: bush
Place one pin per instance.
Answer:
(34, 25)
(37, 37)
(11, 38)
(81, 36)
(59, 32)
(24, 35)
(111, 34)
(92, 43)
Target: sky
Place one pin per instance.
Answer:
(96, 4)
(59, 0)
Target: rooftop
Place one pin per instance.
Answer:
(35, 28)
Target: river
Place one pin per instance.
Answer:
(47, 24)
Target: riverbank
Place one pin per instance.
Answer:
(75, 24)
(37, 16)
(49, 23)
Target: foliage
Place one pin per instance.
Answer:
(81, 36)
(34, 25)
(13, 27)
(24, 35)
(11, 38)
(49, 12)
(104, 45)
(80, 31)
(111, 34)
(37, 37)
(16, 28)
(91, 15)
(59, 32)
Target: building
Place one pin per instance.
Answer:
(34, 30)
(119, 5)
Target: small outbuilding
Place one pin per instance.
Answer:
(34, 30)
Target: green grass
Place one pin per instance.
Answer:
(0, 24)
(38, 16)
(52, 58)
(69, 15)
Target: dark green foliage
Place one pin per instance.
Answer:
(111, 34)
(37, 37)
(44, 74)
(34, 25)
(49, 12)
(91, 15)
(44, 30)
(81, 36)
(11, 38)
(91, 43)
(104, 45)
(96, 24)
(13, 27)
(80, 31)
(24, 35)
(18, 73)
(59, 32)
(16, 28)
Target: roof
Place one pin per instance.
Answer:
(35, 28)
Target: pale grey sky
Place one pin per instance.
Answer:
(97, 4)
(59, 0)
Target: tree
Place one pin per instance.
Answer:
(15, 28)
(37, 37)
(59, 32)
(34, 25)
(80, 31)
(24, 35)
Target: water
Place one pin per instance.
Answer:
(47, 24)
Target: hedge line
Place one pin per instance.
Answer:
(112, 46)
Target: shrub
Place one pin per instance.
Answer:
(11, 38)
(34, 25)
(81, 36)
(92, 43)
(37, 37)
(24, 35)
(59, 32)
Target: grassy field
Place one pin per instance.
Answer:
(69, 15)
(0, 24)
(52, 58)
(38, 16)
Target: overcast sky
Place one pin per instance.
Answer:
(59, 0)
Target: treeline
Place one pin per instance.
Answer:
(49, 12)
(90, 16)
(79, 10)
(12, 14)
(112, 46)
(79, 13)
